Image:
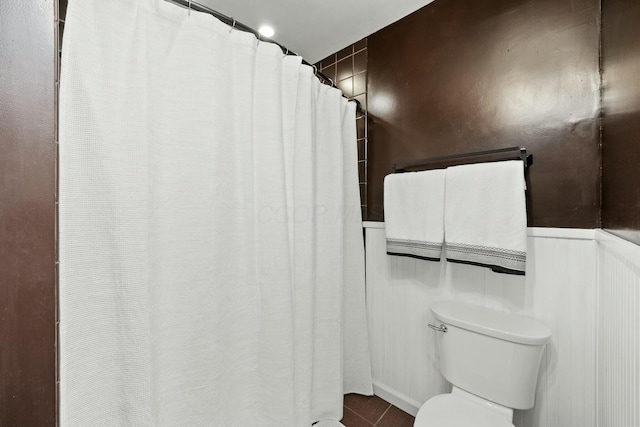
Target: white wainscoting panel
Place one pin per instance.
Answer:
(619, 332)
(399, 292)
(562, 291)
(559, 289)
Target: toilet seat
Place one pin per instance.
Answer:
(451, 410)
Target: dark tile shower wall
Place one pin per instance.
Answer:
(27, 213)
(348, 70)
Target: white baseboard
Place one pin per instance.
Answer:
(397, 399)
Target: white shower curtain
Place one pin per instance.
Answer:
(211, 254)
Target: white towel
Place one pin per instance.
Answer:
(485, 215)
(414, 214)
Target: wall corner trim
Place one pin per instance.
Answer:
(541, 232)
(372, 224)
(562, 233)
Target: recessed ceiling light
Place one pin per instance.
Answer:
(266, 31)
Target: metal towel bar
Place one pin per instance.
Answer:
(521, 154)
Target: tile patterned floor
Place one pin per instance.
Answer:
(372, 411)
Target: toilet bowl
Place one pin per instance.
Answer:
(492, 361)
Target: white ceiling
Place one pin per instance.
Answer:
(315, 29)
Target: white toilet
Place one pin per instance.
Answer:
(491, 359)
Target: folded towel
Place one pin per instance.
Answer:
(485, 215)
(414, 214)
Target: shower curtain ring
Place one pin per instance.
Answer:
(233, 24)
(189, 12)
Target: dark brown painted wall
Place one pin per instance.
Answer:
(27, 214)
(466, 75)
(621, 117)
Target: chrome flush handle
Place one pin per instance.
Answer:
(441, 328)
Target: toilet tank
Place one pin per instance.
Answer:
(491, 354)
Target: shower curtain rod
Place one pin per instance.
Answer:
(240, 26)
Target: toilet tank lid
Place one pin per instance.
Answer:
(508, 327)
